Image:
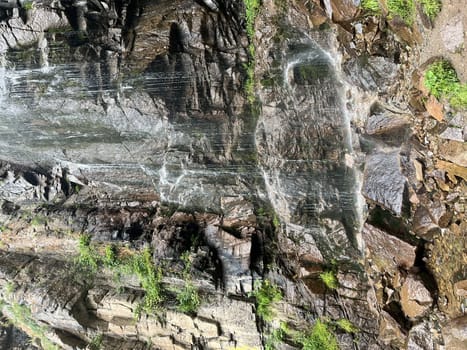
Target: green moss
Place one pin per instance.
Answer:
(266, 295)
(28, 5)
(431, 8)
(371, 6)
(405, 9)
(347, 326)
(329, 279)
(458, 99)
(442, 82)
(320, 338)
(277, 336)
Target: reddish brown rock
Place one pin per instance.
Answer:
(415, 299)
(343, 10)
(435, 108)
(387, 252)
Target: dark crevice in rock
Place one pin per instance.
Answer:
(424, 272)
(388, 222)
(70, 339)
(394, 309)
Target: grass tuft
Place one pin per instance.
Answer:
(371, 6)
(329, 279)
(320, 338)
(431, 8)
(266, 295)
(405, 9)
(442, 82)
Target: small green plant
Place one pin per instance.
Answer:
(329, 279)
(110, 256)
(266, 295)
(96, 342)
(88, 258)
(150, 278)
(20, 316)
(431, 8)
(371, 6)
(251, 11)
(277, 335)
(188, 299)
(442, 82)
(347, 326)
(405, 9)
(320, 338)
(9, 289)
(28, 5)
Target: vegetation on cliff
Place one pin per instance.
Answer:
(442, 82)
(20, 316)
(431, 8)
(251, 11)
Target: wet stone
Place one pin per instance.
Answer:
(383, 181)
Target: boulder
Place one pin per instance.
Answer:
(385, 123)
(387, 252)
(454, 151)
(415, 299)
(460, 288)
(423, 224)
(390, 332)
(383, 182)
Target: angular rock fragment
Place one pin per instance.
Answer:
(384, 182)
(415, 299)
(387, 252)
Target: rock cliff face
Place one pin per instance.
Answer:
(126, 129)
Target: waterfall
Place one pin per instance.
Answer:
(306, 152)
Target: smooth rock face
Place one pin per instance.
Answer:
(415, 298)
(384, 182)
(453, 34)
